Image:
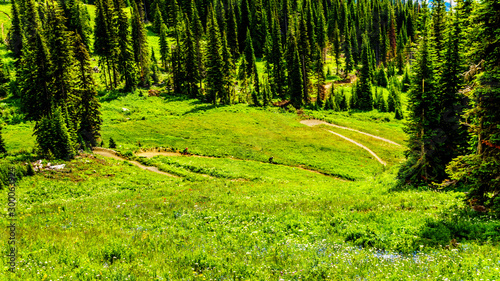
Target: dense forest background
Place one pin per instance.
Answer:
(444, 59)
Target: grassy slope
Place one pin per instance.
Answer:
(253, 220)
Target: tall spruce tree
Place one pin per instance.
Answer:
(89, 115)
(190, 61)
(423, 164)
(480, 169)
(214, 59)
(126, 62)
(16, 31)
(164, 47)
(364, 88)
(140, 44)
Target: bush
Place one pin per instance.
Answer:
(112, 143)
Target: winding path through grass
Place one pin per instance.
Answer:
(113, 154)
(313, 122)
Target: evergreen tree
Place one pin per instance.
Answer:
(16, 31)
(154, 67)
(157, 19)
(349, 63)
(382, 80)
(192, 75)
(232, 31)
(112, 143)
(438, 28)
(53, 137)
(89, 114)
(34, 78)
(423, 164)
(140, 44)
(229, 72)
(62, 53)
(341, 100)
(164, 47)
(364, 88)
(215, 63)
(277, 59)
(452, 102)
(126, 61)
(295, 74)
(480, 170)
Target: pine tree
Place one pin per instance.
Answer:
(277, 59)
(423, 165)
(164, 47)
(192, 75)
(112, 143)
(341, 100)
(249, 55)
(452, 102)
(229, 73)
(15, 32)
(53, 136)
(232, 31)
(106, 41)
(364, 88)
(126, 62)
(62, 55)
(295, 73)
(34, 75)
(89, 115)
(480, 170)
(140, 44)
(438, 28)
(215, 63)
(349, 63)
(157, 19)
(154, 67)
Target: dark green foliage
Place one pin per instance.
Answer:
(406, 81)
(341, 100)
(157, 19)
(295, 74)
(423, 164)
(126, 62)
(480, 170)
(112, 143)
(34, 79)
(3, 148)
(190, 65)
(154, 67)
(53, 136)
(381, 77)
(89, 115)
(164, 47)
(140, 44)
(364, 87)
(214, 59)
(15, 33)
(78, 20)
(62, 55)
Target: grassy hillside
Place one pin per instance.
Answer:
(325, 210)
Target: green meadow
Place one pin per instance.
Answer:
(325, 209)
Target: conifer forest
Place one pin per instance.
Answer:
(250, 139)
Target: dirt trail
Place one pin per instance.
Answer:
(317, 122)
(112, 154)
(314, 122)
(150, 154)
